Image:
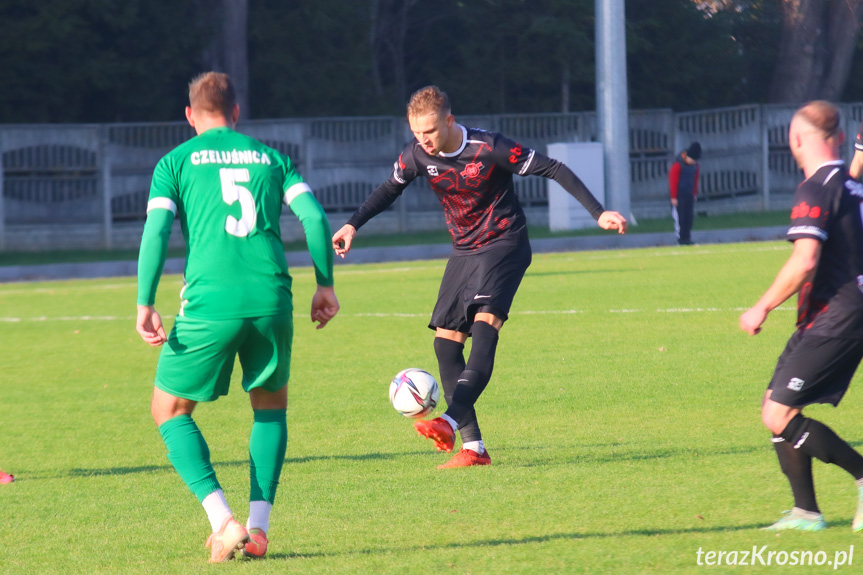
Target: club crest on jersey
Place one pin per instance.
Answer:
(795, 384)
(432, 170)
(472, 170)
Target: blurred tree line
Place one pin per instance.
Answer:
(105, 61)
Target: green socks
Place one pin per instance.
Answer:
(189, 454)
(267, 446)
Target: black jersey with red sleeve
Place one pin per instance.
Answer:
(827, 207)
(475, 186)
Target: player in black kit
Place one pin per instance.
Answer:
(825, 269)
(471, 172)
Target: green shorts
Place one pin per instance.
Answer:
(197, 360)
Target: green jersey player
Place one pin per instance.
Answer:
(227, 190)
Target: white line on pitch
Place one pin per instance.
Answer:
(393, 314)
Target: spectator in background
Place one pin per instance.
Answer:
(683, 186)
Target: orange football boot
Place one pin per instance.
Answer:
(467, 458)
(227, 541)
(438, 430)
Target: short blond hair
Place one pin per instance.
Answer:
(213, 93)
(822, 116)
(428, 100)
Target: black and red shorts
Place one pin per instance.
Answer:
(815, 369)
(481, 282)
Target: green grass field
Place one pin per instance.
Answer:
(622, 419)
(662, 225)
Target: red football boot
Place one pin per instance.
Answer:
(438, 430)
(256, 548)
(467, 458)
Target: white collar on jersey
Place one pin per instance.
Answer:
(831, 163)
(833, 172)
(460, 148)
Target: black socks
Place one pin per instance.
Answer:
(450, 362)
(815, 439)
(797, 467)
(800, 441)
(463, 390)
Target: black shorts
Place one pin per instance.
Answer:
(814, 369)
(483, 282)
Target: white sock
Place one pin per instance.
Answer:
(451, 422)
(477, 446)
(259, 515)
(811, 515)
(217, 509)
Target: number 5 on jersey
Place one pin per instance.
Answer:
(233, 192)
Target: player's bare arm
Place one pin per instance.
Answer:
(325, 306)
(799, 269)
(612, 221)
(343, 239)
(856, 167)
(149, 326)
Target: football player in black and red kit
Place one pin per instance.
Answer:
(471, 173)
(825, 270)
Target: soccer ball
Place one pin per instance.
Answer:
(414, 393)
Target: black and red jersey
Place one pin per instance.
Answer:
(475, 187)
(827, 207)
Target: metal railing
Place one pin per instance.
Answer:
(100, 174)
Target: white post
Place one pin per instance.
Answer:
(612, 106)
(564, 211)
(104, 183)
(402, 207)
(765, 161)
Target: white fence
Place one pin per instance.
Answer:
(91, 182)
